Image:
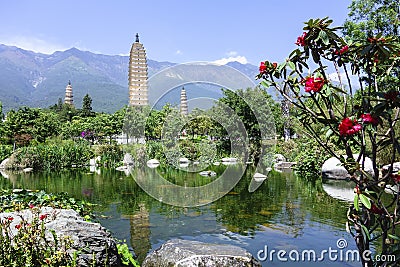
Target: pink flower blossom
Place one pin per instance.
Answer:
(301, 40)
(313, 84)
(368, 118)
(391, 95)
(349, 127)
(342, 50)
(262, 67)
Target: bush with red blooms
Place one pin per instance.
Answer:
(24, 242)
(324, 98)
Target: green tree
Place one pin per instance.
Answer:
(135, 122)
(106, 125)
(1, 111)
(367, 18)
(87, 106)
(59, 104)
(19, 125)
(28, 124)
(46, 125)
(257, 111)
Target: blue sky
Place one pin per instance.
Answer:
(171, 30)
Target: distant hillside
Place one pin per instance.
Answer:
(39, 80)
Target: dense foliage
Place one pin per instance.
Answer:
(367, 18)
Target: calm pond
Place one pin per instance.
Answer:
(283, 213)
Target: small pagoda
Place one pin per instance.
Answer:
(184, 105)
(69, 98)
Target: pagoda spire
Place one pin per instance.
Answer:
(137, 37)
(184, 105)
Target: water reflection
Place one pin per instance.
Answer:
(340, 189)
(284, 212)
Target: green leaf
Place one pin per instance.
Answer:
(366, 232)
(328, 133)
(395, 237)
(365, 201)
(291, 65)
(315, 56)
(324, 37)
(266, 84)
(356, 206)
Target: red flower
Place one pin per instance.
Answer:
(18, 226)
(10, 219)
(42, 216)
(357, 190)
(349, 127)
(391, 95)
(395, 177)
(342, 50)
(368, 118)
(376, 210)
(262, 67)
(313, 84)
(31, 206)
(301, 40)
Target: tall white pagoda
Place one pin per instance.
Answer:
(137, 77)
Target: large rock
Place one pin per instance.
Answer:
(4, 163)
(187, 253)
(91, 240)
(128, 160)
(153, 163)
(396, 168)
(333, 169)
(279, 158)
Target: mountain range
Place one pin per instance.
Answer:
(39, 80)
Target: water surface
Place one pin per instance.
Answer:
(284, 213)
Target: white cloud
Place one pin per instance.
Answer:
(33, 44)
(353, 79)
(178, 52)
(223, 61)
(232, 53)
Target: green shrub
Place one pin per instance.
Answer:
(110, 155)
(52, 155)
(19, 199)
(5, 152)
(126, 256)
(309, 163)
(289, 149)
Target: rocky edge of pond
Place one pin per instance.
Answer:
(91, 240)
(181, 253)
(95, 245)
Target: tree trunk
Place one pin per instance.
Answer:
(286, 119)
